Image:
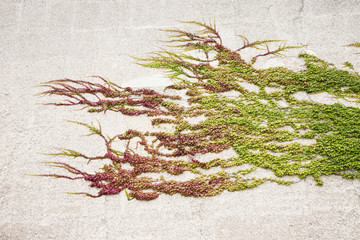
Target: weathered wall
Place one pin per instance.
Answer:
(42, 40)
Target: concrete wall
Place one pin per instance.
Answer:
(42, 40)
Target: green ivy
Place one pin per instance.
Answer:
(264, 133)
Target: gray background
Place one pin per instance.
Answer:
(43, 40)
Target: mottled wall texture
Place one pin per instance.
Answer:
(41, 40)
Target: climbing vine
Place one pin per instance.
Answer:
(267, 129)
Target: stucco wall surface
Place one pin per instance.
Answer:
(41, 40)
